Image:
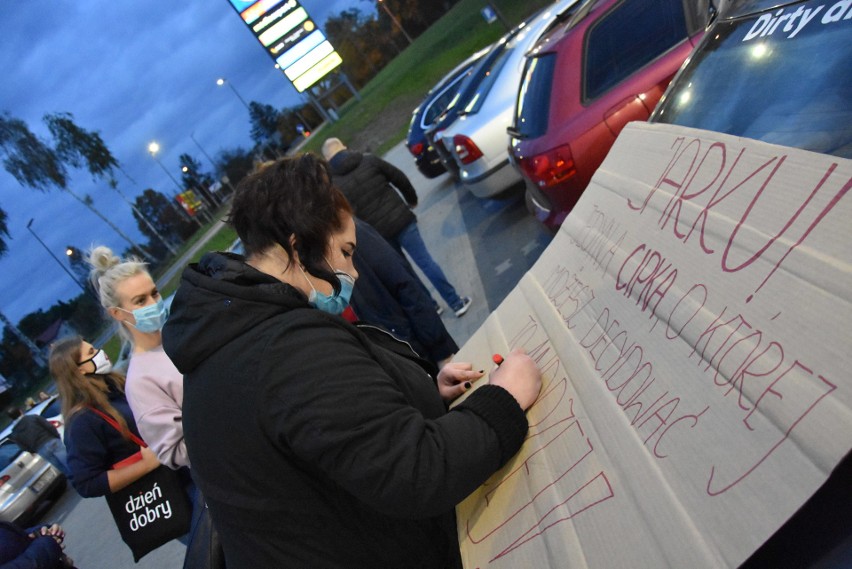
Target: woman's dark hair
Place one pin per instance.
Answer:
(291, 196)
(79, 391)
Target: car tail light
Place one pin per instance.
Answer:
(3, 479)
(466, 150)
(416, 149)
(549, 168)
(56, 424)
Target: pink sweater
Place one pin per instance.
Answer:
(154, 390)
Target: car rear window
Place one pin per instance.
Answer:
(470, 84)
(52, 410)
(783, 87)
(437, 105)
(628, 37)
(533, 108)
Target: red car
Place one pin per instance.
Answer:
(607, 66)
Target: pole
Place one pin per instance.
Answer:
(212, 162)
(144, 219)
(499, 15)
(169, 174)
(318, 106)
(243, 101)
(395, 21)
(55, 258)
(153, 154)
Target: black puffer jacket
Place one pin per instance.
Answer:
(388, 293)
(316, 444)
(366, 181)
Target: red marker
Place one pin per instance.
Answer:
(497, 358)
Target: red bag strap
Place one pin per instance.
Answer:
(117, 427)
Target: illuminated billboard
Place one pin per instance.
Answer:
(291, 38)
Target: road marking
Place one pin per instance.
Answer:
(503, 267)
(529, 247)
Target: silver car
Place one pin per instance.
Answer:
(28, 484)
(478, 139)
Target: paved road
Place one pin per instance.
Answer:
(484, 246)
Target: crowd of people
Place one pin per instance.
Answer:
(302, 390)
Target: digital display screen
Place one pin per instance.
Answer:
(274, 15)
(240, 5)
(317, 72)
(291, 37)
(283, 27)
(254, 9)
(300, 49)
(312, 58)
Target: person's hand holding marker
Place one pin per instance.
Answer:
(456, 378)
(517, 374)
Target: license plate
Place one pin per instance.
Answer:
(43, 481)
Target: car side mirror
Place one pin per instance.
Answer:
(514, 133)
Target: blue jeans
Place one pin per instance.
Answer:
(410, 240)
(53, 451)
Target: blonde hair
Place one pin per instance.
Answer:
(108, 271)
(78, 391)
(330, 147)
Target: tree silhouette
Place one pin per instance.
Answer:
(79, 147)
(38, 166)
(4, 230)
(154, 213)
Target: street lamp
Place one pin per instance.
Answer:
(55, 258)
(395, 21)
(153, 148)
(221, 81)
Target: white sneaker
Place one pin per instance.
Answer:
(464, 307)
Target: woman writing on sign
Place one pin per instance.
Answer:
(344, 454)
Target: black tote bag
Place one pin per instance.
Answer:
(151, 511)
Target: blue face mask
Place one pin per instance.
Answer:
(150, 318)
(334, 303)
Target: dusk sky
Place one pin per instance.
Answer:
(135, 72)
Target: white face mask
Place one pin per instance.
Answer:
(101, 361)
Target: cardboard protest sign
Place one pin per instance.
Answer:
(692, 320)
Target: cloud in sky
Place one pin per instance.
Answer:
(134, 72)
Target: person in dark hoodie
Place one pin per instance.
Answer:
(34, 433)
(389, 294)
(370, 184)
(319, 443)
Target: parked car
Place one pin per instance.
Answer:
(802, 75)
(50, 409)
(477, 139)
(28, 484)
(436, 101)
(608, 65)
(467, 90)
(753, 76)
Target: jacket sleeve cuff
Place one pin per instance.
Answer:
(501, 411)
